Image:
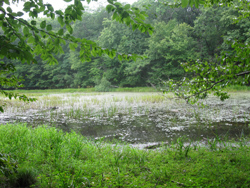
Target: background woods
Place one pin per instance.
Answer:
(180, 35)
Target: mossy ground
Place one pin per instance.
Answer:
(58, 159)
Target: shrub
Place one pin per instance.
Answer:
(104, 86)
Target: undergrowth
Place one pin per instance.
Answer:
(47, 157)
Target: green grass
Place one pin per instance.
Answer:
(237, 88)
(47, 157)
(74, 90)
(134, 89)
(36, 93)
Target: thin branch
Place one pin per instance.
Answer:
(239, 74)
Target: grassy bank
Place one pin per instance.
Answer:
(47, 157)
(74, 90)
(235, 88)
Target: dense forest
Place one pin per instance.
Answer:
(180, 35)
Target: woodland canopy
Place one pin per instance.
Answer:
(193, 47)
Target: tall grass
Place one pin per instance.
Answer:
(47, 157)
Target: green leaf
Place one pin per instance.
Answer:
(25, 30)
(134, 26)
(38, 49)
(150, 31)
(49, 27)
(60, 32)
(63, 41)
(196, 3)
(45, 12)
(120, 57)
(117, 4)
(125, 14)
(112, 54)
(73, 46)
(42, 8)
(127, 21)
(109, 8)
(19, 13)
(7, 2)
(59, 12)
(50, 7)
(33, 22)
(60, 20)
(27, 4)
(127, 6)
(52, 15)
(9, 9)
(184, 3)
(67, 1)
(69, 28)
(43, 34)
(2, 16)
(31, 39)
(43, 24)
(115, 16)
(28, 56)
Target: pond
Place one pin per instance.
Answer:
(136, 118)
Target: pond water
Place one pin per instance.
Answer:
(137, 118)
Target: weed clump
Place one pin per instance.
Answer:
(13, 176)
(8, 165)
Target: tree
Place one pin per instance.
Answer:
(231, 66)
(169, 45)
(126, 41)
(24, 40)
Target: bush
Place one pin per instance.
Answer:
(104, 86)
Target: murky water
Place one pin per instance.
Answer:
(135, 117)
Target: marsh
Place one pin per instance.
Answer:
(134, 117)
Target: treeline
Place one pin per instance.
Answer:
(180, 35)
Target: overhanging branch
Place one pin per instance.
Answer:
(214, 84)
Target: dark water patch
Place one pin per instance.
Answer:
(142, 128)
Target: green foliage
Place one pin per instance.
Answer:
(197, 3)
(104, 85)
(231, 64)
(8, 166)
(169, 46)
(70, 160)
